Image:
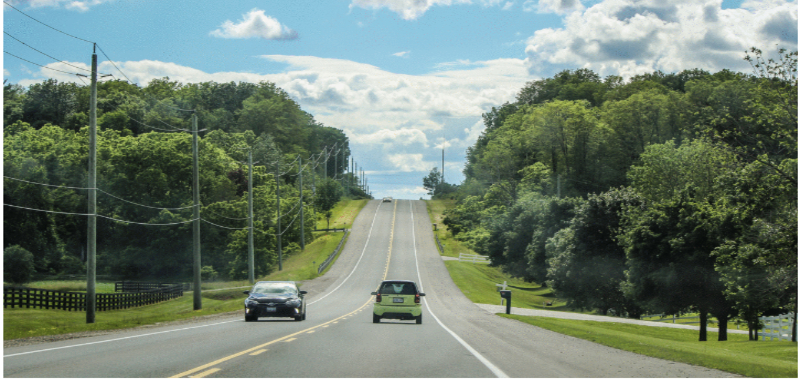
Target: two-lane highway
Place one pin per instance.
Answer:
(389, 240)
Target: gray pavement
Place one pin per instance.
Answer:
(579, 316)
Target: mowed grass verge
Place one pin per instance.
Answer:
(217, 297)
(759, 359)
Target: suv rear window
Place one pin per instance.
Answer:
(397, 288)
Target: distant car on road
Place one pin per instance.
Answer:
(387, 199)
(397, 299)
(275, 299)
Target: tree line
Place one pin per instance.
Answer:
(665, 193)
(144, 176)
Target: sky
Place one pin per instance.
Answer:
(404, 79)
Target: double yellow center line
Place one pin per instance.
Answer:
(208, 369)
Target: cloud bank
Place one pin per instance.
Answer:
(626, 37)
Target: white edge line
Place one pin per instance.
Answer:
(496, 370)
(117, 339)
(369, 236)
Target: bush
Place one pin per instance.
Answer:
(207, 273)
(18, 267)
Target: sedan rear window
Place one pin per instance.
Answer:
(275, 288)
(398, 288)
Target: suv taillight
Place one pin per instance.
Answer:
(416, 298)
(378, 298)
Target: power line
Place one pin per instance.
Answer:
(106, 217)
(220, 226)
(42, 184)
(112, 63)
(145, 206)
(45, 54)
(159, 129)
(43, 66)
(100, 190)
(60, 31)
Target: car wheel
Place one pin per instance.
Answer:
(250, 318)
(376, 319)
(304, 316)
(298, 318)
(419, 319)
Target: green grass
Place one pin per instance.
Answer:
(24, 322)
(737, 355)
(478, 283)
(344, 213)
(452, 248)
(21, 322)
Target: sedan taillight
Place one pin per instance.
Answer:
(378, 298)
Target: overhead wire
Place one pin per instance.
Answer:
(40, 65)
(145, 206)
(45, 54)
(102, 216)
(60, 31)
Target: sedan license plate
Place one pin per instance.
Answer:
(271, 309)
(397, 300)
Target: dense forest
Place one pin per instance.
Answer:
(144, 177)
(665, 193)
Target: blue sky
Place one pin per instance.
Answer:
(402, 78)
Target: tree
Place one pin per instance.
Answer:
(669, 247)
(18, 265)
(586, 265)
(433, 180)
(328, 194)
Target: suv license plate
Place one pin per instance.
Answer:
(270, 309)
(397, 300)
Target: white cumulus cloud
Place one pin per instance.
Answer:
(255, 24)
(630, 37)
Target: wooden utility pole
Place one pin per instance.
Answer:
(302, 223)
(198, 300)
(251, 272)
(91, 232)
(278, 196)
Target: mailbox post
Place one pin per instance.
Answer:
(507, 295)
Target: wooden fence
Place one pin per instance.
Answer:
(474, 258)
(146, 286)
(779, 327)
(20, 297)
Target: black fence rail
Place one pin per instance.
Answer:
(126, 286)
(21, 297)
(335, 251)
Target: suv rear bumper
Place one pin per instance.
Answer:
(397, 311)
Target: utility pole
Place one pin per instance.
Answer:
(278, 194)
(91, 232)
(302, 223)
(198, 300)
(442, 163)
(251, 275)
(335, 163)
(344, 163)
(314, 193)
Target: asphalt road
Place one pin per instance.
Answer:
(391, 240)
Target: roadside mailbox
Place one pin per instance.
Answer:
(507, 295)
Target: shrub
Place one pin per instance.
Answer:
(18, 267)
